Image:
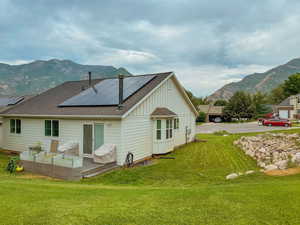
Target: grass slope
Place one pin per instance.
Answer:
(190, 189)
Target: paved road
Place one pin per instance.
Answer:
(209, 128)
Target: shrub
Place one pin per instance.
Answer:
(221, 133)
(201, 117)
(12, 164)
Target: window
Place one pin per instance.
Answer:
(169, 129)
(15, 126)
(52, 128)
(176, 123)
(158, 129)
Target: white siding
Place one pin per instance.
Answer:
(132, 134)
(69, 130)
(138, 127)
(1, 135)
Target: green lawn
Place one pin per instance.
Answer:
(190, 189)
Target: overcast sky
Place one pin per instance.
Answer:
(207, 43)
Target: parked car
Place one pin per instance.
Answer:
(276, 122)
(266, 117)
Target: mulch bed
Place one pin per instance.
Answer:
(9, 152)
(286, 172)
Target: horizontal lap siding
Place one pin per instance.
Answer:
(137, 127)
(136, 138)
(69, 130)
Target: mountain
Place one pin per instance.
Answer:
(38, 76)
(263, 82)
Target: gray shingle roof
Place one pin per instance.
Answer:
(285, 102)
(162, 111)
(47, 102)
(211, 109)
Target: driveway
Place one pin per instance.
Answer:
(209, 128)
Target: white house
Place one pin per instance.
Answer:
(7, 102)
(289, 108)
(145, 115)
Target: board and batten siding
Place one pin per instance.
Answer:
(138, 127)
(33, 131)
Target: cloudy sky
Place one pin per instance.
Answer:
(207, 43)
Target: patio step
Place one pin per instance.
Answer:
(98, 170)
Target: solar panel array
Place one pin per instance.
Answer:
(106, 92)
(7, 101)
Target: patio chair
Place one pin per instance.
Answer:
(69, 155)
(105, 154)
(53, 146)
(47, 156)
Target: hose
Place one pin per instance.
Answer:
(129, 159)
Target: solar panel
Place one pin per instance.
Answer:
(15, 100)
(106, 92)
(6, 101)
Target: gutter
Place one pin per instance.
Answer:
(64, 116)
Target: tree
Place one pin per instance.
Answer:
(220, 102)
(292, 85)
(277, 95)
(201, 117)
(259, 101)
(196, 100)
(240, 106)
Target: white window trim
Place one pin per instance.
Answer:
(15, 133)
(51, 136)
(169, 130)
(156, 129)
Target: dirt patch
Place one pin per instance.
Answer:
(35, 176)
(286, 172)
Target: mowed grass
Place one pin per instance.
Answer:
(190, 189)
(197, 163)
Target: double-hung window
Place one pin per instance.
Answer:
(15, 126)
(158, 129)
(52, 128)
(176, 123)
(169, 129)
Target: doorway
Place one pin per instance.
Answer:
(93, 138)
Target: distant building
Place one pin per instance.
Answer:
(289, 108)
(213, 113)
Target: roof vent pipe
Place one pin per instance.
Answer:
(90, 79)
(121, 89)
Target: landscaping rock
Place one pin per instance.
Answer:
(271, 167)
(249, 172)
(296, 158)
(272, 150)
(232, 176)
(282, 164)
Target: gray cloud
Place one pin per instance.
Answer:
(231, 38)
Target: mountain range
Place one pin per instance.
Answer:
(263, 82)
(40, 75)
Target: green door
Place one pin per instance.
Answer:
(87, 139)
(98, 135)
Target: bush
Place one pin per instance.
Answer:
(221, 133)
(12, 164)
(201, 117)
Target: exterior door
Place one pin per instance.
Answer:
(98, 135)
(87, 139)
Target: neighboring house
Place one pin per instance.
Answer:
(151, 114)
(289, 108)
(7, 102)
(213, 113)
